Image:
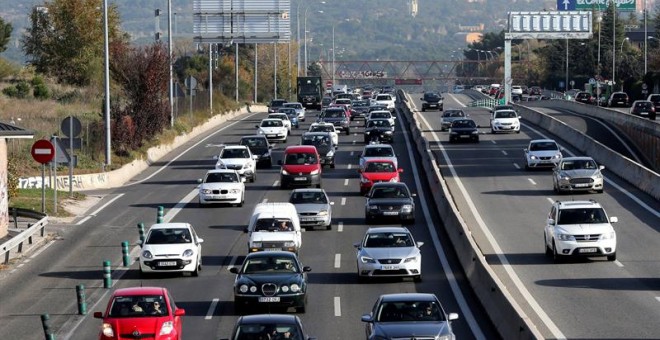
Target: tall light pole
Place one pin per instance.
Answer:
(106, 62)
(333, 54)
(600, 19)
(566, 83)
(169, 59)
(646, 40)
(298, 37)
(621, 52)
(613, 44)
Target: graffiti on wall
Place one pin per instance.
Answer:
(79, 182)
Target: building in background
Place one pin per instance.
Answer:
(7, 131)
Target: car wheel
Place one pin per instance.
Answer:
(318, 186)
(300, 309)
(526, 166)
(283, 185)
(269, 163)
(611, 257)
(348, 132)
(492, 131)
(329, 226)
(369, 220)
(548, 251)
(144, 274)
(599, 191)
(361, 279)
(240, 204)
(409, 222)
(195, 272)
(254, 178)
(417, 278)
(423, 110)
(518, 131)
(555, 257)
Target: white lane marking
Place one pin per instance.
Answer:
(618, 263)
(343, 201)
(648, 208)
(346, 182)
(232, 262)
(350, 165)
(99, 209)
(340, 227)
(179, 206)
(657, 298)
(504, 153)
(265, 200)
(550, 200)
(493, 141)
(337, 260)
(276, 183)
(188, 149)
(354, 141)
(352, 153)
(440, 252)
(515, 165)
(209, 313)
(531, 181)
(337, 306)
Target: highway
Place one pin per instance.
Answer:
(45, 283)
(506, 208)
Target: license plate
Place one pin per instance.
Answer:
(390, 212)
(308, 219)
(433, 105)
(390, 267)
(588, 250)
(271, 136)
(465, 136)
(218, 197)
(300, 179)
(269, 299)
(272, 249)
(166, 263)
(582, 185)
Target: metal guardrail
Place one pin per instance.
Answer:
(16, 243)
(487, 103)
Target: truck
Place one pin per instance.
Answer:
(310, 91)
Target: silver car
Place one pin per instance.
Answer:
(313, 206)
(300, 110)
(577, 174)
(378, 151)
(449, 116)
(389, 252)
(409, 316)
(542, 153)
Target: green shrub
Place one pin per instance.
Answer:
(23, 89)
(10, 91)
(40, 91)
(38, 80)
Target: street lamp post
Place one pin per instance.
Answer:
(333, 55)
(621, 53)
(600, 19)
(305, 36)
(298, 37)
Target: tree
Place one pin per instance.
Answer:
(65, 40)
(5, 34)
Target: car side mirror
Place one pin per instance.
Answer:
(357, 245)
(602, 167)
(215, 157)
(367, 318)
(98, 315)
(359, 171)
(400, 170)
(551, 221)
(200, 240)
(245, 230)
(307, 269)
(421, 98)
(420, 244)
(199, 180)
(332, 203)
(255, 157)
(233, 270)
(257, 126)
(413, 194)
(179, 312)
(452, 316)
(614, 219)
(140, 243)
(525, 150)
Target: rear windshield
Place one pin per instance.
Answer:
(301, 158)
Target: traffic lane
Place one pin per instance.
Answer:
(492, 212)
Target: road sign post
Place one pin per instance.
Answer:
(43, 152)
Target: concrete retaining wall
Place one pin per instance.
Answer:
(116, 178)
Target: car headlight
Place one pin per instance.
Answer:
(410, 259)
(256, 244)
(608, 236)
(260, 131)
(290, 244)
(557, 156)
(284, 172)
(220, 165)
(533, 157)
(314, 172)
(247, 165)
(330, 153)
(295, 288)
(394, 179)
(243, 288)
(372, 207)
(253, 289)
(107, 331)
(566, 237)
(284, 289)
(206, 191)
(598, 175)
(387, 132)
(406, 208)
(367, 259)
(235, 191)
(167, 328)
(452, 132)
(323, 213)
(475, 132)
(147, 254)
(188, 253)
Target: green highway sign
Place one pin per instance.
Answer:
(621, 5)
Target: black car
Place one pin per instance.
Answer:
(360, 109)
(464, 129)
(644, 109)
(620, 99)
(655, 99)
(324, 145)
(275, 105)
(260, 147)
(270, 279)
(336, 116)
(390, 200)
(379, 130)
(585, 97)
(431, 100)
(269, 326)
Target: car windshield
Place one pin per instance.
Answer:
(138, 306)
(279, 116)
(395, 311)
(322, 128)
(380, 115)
(334, 114)
(449, 113)
(317, 140)
(253, 142)
(169, 236)
(578, 164)
(294, 105)
(263, 331)
(389, 192)
(270, 264)
(234, 153)
(273, 224)
(379, 167)
(582, 216)
(383, 97)
(644, 105)
(379, 123)
(463, 124)
(287, 111)
(360, 104)
(379, 152)
(300, 158)
(505, 114)
(215, 177)
(388, 240)
(310, 197)
(543, 146)
(431, 96)
(276, 103)
(271, 123)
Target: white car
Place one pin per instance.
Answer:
(326, 127)
(579, 228)
(283, 117)
(542, 153)
(300, 110)
(381, 114)
(505, 121)
(389, 252)
(171, 247)
(378, 151)
(516, 89)
(239, 158)
(386, 100)
(273, 129)
(221, 186)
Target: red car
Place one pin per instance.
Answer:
(141, 313)
(377, 170)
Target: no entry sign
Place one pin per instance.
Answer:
(43, 151)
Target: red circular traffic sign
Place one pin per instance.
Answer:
(43, 151)
(328, 83)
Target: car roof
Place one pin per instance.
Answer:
(254, 136)
(408, 297)
(140, 291)
(267, 318)
(300, 148)
(577, 158)
(308, 190)
(542, 141)
(578, 204)
(378, 146)
(378, 160)
(389, 184)
(388, 230)
(316, 133)
(278, 253)
(221, 171)
(170, 225)
(235, 147)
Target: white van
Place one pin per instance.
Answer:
(274, 226)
